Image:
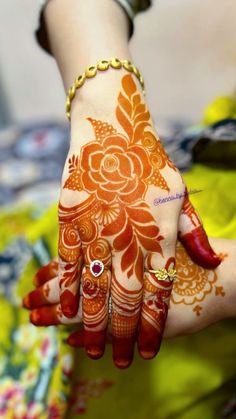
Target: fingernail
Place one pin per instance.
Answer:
(122, 362)
(147, 353)
(94, 352)
(149, 340)
(123, 351)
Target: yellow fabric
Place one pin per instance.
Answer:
(221, 108)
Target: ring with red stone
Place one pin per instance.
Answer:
(96, 267)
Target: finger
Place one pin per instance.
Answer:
(45, 273)
(194, 238)
(156, 295)
(46, 294)
(126, 294)
(69, 282)
(51, 316)
(70, 260)
(76, 339)
(95, 298)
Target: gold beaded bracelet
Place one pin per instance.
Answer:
(91, 71)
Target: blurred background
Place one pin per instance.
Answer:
(186, 50)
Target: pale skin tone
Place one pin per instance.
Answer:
(115, 168)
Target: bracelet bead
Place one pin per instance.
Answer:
(115, 63)
(80, 81)
(103, 65)
(91, 71)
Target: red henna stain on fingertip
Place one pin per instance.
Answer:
(35, 317)
(199, 249)
(69, 304)
(76, 339)
(25, 302)
(45, 273)
(123, 351)
(94, 352)
(147, 353)
(122, 363)
(94, 343)
(35, 299)
(149, 340)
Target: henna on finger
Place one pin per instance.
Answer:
(52, 315)
(70, 260)
(45, 273)
(126, 303)
(156, 296)
(194, 238)
(44, 295)
(116, 172)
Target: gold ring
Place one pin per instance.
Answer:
(163, 274)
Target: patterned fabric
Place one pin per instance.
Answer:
(131, 7)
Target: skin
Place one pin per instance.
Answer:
(111, 184)
(115, 168)
(200, 297)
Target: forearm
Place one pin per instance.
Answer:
(83, 32)
(80, 34)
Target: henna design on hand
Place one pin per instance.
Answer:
(115, 170)
(193, 282)
(194, 239)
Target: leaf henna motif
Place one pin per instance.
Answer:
(133, 119)
(116, 169)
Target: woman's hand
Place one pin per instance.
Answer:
(115, 171)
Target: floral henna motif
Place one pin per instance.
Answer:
(71, 235)
(193, 283)
(116, 170)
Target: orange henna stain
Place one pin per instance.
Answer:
(193, 283)
(116, 170)
(197, 309)
(219, 291)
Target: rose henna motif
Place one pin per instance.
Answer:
(116, 169)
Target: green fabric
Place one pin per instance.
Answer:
(192, 377)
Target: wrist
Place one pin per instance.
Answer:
(97, 98)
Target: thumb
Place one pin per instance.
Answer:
(193, 237)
